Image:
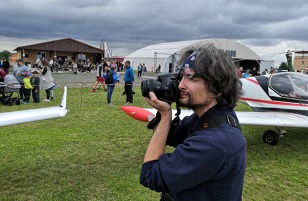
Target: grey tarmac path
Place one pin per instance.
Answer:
(70, 79)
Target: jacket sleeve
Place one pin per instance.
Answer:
(116, 77)
(187, 167)
(132, 75)
(146, 176)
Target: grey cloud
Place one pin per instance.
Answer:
(137, 23)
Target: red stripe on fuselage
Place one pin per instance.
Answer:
(274, 102)
(252, 80)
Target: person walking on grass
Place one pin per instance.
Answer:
(111, 79)
(99, 78)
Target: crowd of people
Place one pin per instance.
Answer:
(32, 82)
(108, 76)
(141, 69)
(254, 72)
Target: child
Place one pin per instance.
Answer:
(28, 87)
(35, 82)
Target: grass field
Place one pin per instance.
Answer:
(96, 152)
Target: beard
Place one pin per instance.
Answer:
(190, 103)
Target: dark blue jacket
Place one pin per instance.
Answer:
(206, 165)
(129, 75)
(116, 77)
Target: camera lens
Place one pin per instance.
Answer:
(144, 88)
(150, 85)
(165, 87)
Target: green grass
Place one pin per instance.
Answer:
(96, 152)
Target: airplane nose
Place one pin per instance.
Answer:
(138, 113)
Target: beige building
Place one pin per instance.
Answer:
(300, 60)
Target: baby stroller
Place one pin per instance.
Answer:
(8, 88)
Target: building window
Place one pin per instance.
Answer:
(231, 53)
(40, 55)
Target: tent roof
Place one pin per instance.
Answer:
(163, 50)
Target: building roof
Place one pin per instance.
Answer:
(163, 50)
(301, 52)
(62, 45)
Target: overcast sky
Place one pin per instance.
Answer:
(266, 26)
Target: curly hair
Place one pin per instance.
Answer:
(219, 73)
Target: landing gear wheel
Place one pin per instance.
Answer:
(270, 137)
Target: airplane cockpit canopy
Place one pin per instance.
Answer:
(291, 85)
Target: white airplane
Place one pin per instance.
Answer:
(24, 116)
(279, 100)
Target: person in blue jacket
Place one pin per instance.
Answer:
(129, 79)
(246, 74)
(209, 159)
(110, 87)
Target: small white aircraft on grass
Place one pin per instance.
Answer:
(24, 116)
(279, 100)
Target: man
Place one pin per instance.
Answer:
(99, 77)
(246, 74)
(209, 159)
(19, 72)
(139, 70)
(128, 79)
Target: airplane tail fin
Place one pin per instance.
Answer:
(63, 101)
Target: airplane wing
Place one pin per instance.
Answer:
(278, 119)
(24, 116)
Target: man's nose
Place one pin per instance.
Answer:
(182, 84)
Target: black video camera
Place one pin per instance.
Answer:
(165, 87)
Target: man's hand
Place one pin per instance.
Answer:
(158, 142)
(161, 106)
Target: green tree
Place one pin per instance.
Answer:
(284, 66)
(5, 54)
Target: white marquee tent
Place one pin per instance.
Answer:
(167, 54)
